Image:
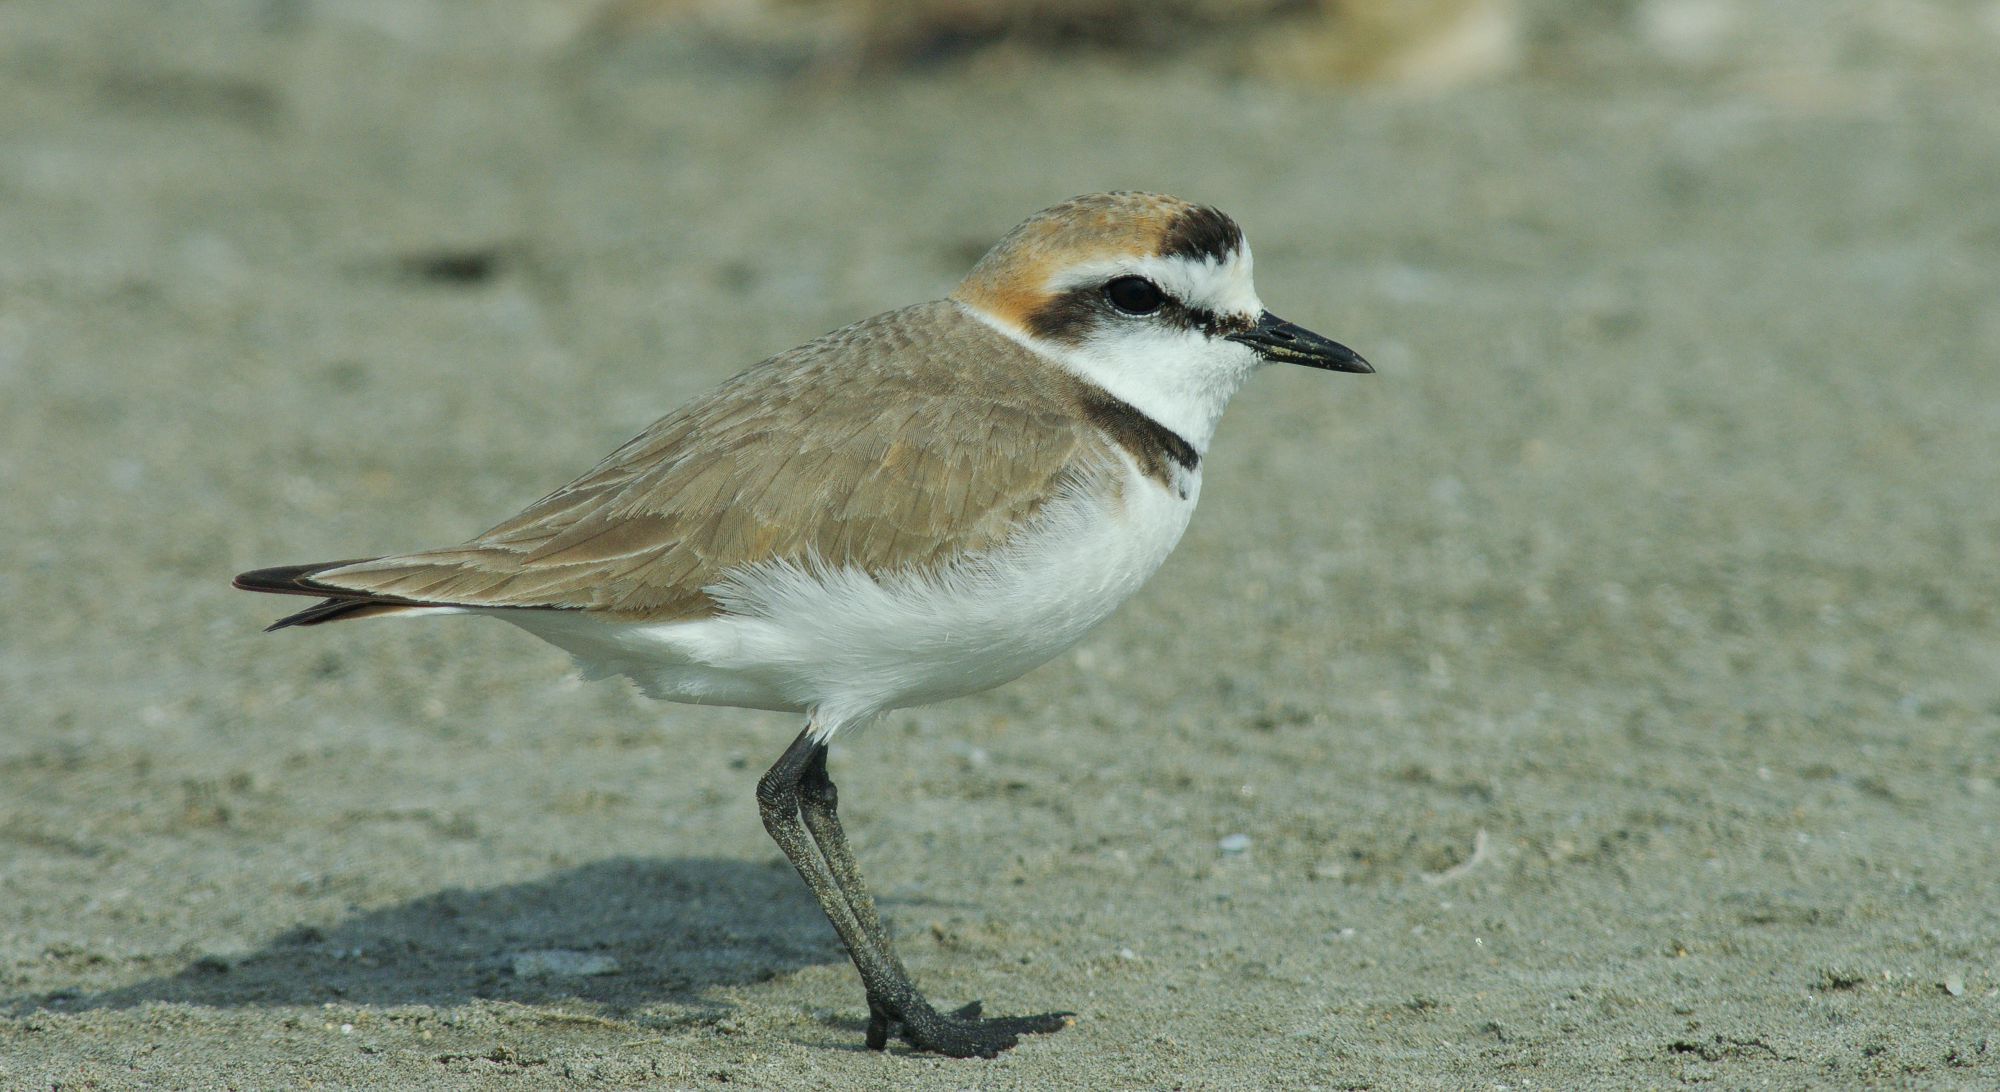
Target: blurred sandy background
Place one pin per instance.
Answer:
(1606, 694)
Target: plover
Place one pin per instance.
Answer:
(918, 506)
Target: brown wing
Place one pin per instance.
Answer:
(899, 443)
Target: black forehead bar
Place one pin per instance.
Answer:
(1201, 234)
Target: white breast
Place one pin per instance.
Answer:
(842, 647)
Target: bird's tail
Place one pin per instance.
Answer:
(339, 604)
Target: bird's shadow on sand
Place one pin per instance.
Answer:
(640, 931)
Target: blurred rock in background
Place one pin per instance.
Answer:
(1792, 52)
(1415, 43)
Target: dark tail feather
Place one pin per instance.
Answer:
(334, 610)
(340, 603)
(296, 579)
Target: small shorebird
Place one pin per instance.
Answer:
(921, 505)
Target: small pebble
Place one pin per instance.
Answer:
(1234, 843)
(1954, 984)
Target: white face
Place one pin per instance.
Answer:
(1152, 331)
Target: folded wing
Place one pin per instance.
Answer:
(896, 444)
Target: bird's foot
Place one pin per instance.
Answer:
(960, 1034)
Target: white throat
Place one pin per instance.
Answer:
(1182, 380)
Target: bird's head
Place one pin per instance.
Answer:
(1149, 296)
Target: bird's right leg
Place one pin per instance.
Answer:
(905, 1013)
(778, 801)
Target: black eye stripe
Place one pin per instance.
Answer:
(1215, 325)
(1194, 318)
(1072, 316)
(1069, 316)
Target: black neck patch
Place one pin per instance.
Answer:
(1151, 444)
(1201, 233)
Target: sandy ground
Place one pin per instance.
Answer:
(1608, 692)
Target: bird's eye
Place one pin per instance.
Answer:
(1134, 295)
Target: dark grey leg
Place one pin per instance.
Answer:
(819, 802)
(796, 787)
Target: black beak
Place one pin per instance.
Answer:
(1280, 341)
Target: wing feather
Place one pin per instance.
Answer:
(900, 443)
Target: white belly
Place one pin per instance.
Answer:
(842, 647)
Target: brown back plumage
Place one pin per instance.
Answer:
(899, 443)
